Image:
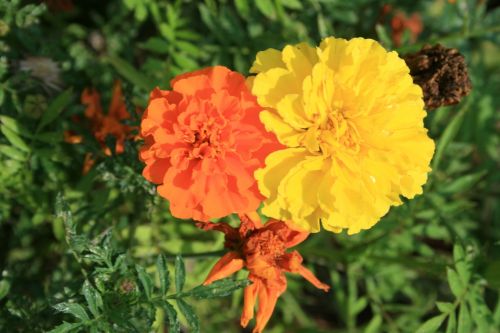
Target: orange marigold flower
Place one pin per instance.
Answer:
(203, 142)
(103, 124)
(262, 250)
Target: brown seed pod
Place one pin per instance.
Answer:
(441, 73)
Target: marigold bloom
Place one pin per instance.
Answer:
(103, 124)
(262, 250)
(352, 121)
(203, 142)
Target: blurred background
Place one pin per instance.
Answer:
(430, 265)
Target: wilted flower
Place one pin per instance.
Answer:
(262, 250)
(203, 142)
(44, 69)
(104, 124)
(441, 73)
(352, 121)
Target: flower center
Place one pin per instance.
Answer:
(336, 133)
(266, 244)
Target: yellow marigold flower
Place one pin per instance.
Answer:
(352, 121)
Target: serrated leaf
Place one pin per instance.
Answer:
(65, 328)
(220, 288)
(14, 138)
(74, 309)
(55, 108)
(431, 325)
(92, 297)
(180, 274)
(445, 307)
(456, 285)
(146, 282)
(130, 73)
(189, 314)
(480, 313)
(463, 267)
(173, 321)
(464, 320)
(161, 266)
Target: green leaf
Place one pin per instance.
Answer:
(431, 325)
(147, 283)
(445, 307)
(220, 288)
(15, 126)
(74, 309)
(13, 153)
(464, 321)
(463, 183)
(65, 328)
(383, 36)
(456, 285)
(130, 73)
(374, 325)
(451, 326)
(55, 108)
(173, 321)
(156, 44)
(180, 274)
(463, 267)
(161, 265)
(189, 314)
(243, 8)
(4, 288)
(479, 311)
(266, 7)
(292, 4)
(93, 298)
(448, 135)
(14, 138)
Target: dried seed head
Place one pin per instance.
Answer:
(441, 73)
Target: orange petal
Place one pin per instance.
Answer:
(267, 302)
(309, 276)
(230, 263)
(250, 297)
(295, 237)
(88, 163)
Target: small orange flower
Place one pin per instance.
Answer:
(103, 124)
(400, 23)
(262, 250)
(203, 142)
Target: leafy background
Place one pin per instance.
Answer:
(91, 253)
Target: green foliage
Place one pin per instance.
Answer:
(106, 259)
(119, 297)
